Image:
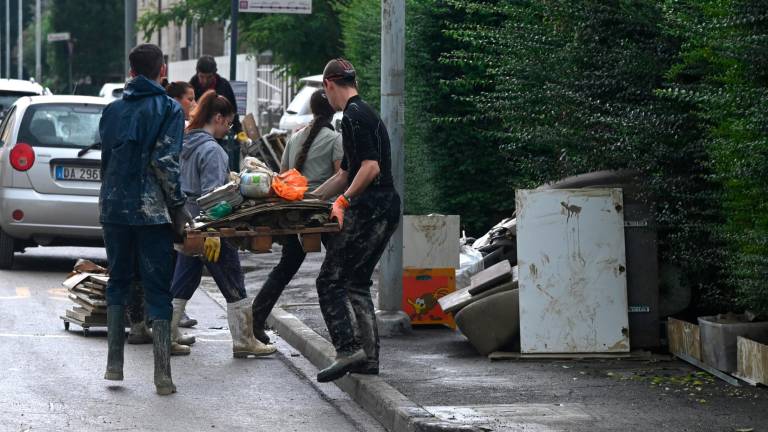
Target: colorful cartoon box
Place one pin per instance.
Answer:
(421, 289)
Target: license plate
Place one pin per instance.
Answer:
(77, 173)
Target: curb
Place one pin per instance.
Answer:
(385, 403)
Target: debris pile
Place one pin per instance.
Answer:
(268, 148)
(486, 312)
(87, 285)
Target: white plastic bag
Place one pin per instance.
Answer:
(470, 263)
(255, 184)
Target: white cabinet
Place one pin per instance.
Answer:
(572, 271)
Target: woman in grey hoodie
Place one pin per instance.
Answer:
(205, 167)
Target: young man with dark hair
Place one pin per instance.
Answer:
(368, 211)
(207, 78)
(142, 205)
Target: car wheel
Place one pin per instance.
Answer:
(7, 247)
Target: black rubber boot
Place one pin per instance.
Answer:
(161, 338)
(263, 304)
(343, 364)
(261, 335)
(115, 342)
(367, 368)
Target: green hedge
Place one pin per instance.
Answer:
(503, 95)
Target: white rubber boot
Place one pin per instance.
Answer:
(244, 344)
(179, 343)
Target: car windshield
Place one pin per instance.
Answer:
(7, 98)
(300, 103)
(61, 125)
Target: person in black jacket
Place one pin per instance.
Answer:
(207, 78)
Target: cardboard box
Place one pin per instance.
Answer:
(421, 290)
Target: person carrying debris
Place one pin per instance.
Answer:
(204, 167)
(141, 205)
(368, 211)
(316, 151)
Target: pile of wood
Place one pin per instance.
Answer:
(267, 148)
(87, 290)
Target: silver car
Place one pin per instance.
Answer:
(50, 174)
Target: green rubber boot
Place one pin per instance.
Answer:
(161, 339)
(115, 342)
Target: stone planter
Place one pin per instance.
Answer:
(718, 339)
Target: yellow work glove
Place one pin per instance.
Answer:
(212, 249)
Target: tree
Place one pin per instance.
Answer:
(303, 43)
(99, 37)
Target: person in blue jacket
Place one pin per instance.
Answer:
(142, 205)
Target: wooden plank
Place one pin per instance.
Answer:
(311, 242)
(86, 317)
(684, 338)
(505, 355)
(99, 288)
(752, 361)
(87, 291)
(251, 128)
(268, 232)
(99, 279)
(89, 303)
(722, 375)
(453, 302)
(491, 277)
(75, 280)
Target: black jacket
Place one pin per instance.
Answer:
(222, 88)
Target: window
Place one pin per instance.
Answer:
(61, 125)
(7, 126)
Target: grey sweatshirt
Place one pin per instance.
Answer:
(204, 167)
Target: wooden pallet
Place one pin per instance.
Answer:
(260, 238)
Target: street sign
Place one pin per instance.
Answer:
(277, 6)
(240, 89)
(58, 37)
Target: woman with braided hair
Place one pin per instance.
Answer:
(316, 151)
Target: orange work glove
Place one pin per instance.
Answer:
(339, 207)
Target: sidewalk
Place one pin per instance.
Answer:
(434, 380)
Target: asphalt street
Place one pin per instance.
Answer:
(52, 380)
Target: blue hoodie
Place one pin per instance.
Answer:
(141, 137)
(204, 167)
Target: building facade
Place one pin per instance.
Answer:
(187, 41)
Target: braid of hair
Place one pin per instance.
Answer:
(323, 113)
(317, 125)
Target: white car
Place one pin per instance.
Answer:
(50, 174)
(298, 113)
(112, 91)
(12, 89)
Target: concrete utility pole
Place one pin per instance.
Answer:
(21, 45)
(8, 39)
(233, 42)
(38, 42)
(392, 320)
(130, 31)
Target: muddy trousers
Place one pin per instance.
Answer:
(149, 249)
(135, 309)
(227, 273)
(344, 283)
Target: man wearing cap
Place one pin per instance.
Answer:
(207, 78)
(368, 211)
